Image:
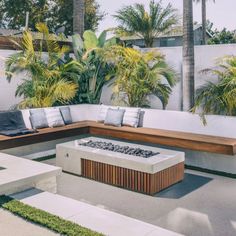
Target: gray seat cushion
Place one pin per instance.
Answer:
(66, 115)
(38, 119)
(17, 132)
(114, 117)
(12, 124)
(11, 120)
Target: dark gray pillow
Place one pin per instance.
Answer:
(38, 119)
(66, 115)
(114, 117)
(141, 118)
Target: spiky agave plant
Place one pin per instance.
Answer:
(219, 98)
(139, 74)
(51, 79)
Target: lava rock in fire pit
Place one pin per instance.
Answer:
(117, 148)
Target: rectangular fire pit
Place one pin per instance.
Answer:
(136, 167)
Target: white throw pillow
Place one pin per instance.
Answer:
(131, 117)
(54, 117)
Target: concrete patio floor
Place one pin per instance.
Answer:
(202, 204)
(11, 225)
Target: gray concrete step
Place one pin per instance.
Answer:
(92, 217)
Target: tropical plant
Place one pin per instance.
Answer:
(140, 74)
(56, 13)
(94, 71)
(50, 78)
(78, 16)
(223, 37)
(134, 19)
(210, 27)
(204, 20)
(188, 57)
(220, 97)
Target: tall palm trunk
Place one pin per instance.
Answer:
(188, 57)
(204, 33)
(78, 16)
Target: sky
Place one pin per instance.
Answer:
(222, 13)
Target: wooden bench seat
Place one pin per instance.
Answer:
(197, 142)
(44, 135)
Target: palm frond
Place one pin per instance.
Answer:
(52, 79)
(219, 97)
(134, 19)
(139, 75)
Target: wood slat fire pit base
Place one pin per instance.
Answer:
(131, 179)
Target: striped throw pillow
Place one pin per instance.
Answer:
(131, 117)
(54, 117)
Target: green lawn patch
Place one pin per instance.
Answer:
(40, 159)
(44, 219)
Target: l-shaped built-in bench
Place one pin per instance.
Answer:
(196, 142)
(210, 147)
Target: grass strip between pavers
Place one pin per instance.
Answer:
(45, 219)
(45, 158)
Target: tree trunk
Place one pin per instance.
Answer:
(188, 57)
(78, 17)
(204, 36)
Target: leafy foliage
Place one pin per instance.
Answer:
(134, 19)
(219, 98)
(52, 79)
(139, 75)
(45, 219)
(55, 13)
(94, 71)
(223, 37)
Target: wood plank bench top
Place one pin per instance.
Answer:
(191, 141)
(197, 142)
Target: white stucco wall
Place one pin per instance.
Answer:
(7, 90)
(205, 57)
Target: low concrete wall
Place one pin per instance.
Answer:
(33, 149)
(21, 174)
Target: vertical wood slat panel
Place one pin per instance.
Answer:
(131, 179)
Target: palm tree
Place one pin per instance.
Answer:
(204, 21)
(50, 80)
(78, 16)
(134, 19)
(188, 56)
